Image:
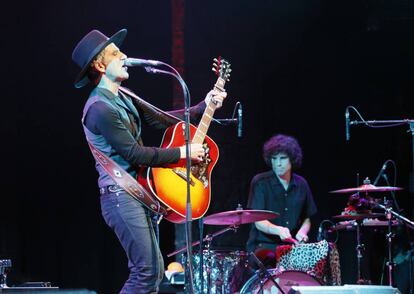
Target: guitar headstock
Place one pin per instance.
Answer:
(222, 68)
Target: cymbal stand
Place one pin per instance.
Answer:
(390, 235)
(359, 249)
(209, 239)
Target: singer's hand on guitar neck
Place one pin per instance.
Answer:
(216, 96)
(196, 152)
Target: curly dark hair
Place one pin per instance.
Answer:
(283, 144)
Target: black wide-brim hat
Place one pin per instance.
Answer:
(89, 47)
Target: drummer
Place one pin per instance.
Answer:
(282, 191)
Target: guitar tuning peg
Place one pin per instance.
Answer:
(215, 60)
(213, 69)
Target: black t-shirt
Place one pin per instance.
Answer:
(294, 205)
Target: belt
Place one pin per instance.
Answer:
(110, 189)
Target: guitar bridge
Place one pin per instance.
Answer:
(182, 174)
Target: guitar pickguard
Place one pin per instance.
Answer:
(200, 169)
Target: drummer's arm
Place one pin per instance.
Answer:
(302, 234)
(268, 228)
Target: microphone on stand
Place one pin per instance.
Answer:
(239, 121)
(130, 62)
(381, 172)
(347, 133)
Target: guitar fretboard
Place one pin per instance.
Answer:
(208, 115)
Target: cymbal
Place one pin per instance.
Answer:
(357, 216)
(238, 217)
(367, 188)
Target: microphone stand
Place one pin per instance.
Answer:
(392, 123)
(229, 121)
(201, 253)
(388, 210)
(225, 121)
(188, 214)
(411, 182)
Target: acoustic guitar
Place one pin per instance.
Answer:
(169, 183)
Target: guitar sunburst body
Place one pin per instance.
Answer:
(169, 183)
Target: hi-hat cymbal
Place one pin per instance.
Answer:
(367, 188)
(238, 217)
(357, 216)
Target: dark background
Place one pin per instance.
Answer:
(296, 66)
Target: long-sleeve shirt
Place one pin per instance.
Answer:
(113, 124)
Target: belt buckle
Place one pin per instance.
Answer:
(114, 188)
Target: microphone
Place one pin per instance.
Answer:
(381, 172)
(239, 121)
(347, 134)
(129, 62)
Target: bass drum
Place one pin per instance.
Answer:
(285, 279)
(224, 272)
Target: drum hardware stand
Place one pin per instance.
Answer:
(5, 265)
(410, 270)
(389, 213)
(208, 239)
(264, 273)
(200, 252)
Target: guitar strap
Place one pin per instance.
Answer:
(123, 178)
(161, 115)
(126, 181)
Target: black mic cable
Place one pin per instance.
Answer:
(239, 121)
(347, 133)
(381, 172)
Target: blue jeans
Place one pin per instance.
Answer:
(134, 226)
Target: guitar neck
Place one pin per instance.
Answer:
(208, 115)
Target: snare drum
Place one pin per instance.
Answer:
(285, 280)
(223, 271)
(320, 260)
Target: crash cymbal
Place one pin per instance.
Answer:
(237, 217)
(357, 216)
(367, 188)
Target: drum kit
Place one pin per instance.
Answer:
(218, 271)
(229, 271)
(359, 218)
(222, 271)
